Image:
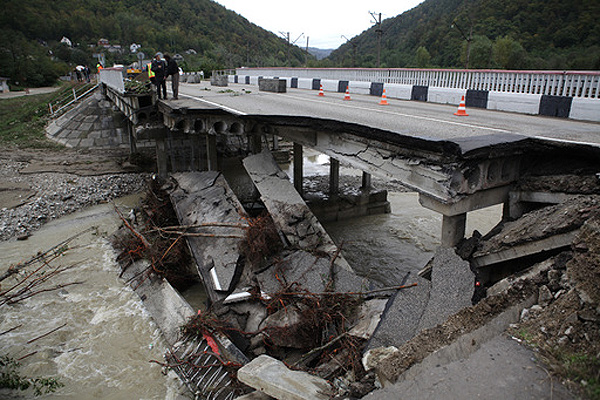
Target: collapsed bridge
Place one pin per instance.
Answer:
(453, 176)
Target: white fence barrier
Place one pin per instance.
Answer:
(113, 78)
(576, 84)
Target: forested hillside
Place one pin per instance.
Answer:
(511, 34)
(213, 36)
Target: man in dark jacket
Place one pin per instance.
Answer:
(159, 67)
(173, 72)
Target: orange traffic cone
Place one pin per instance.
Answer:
(347, 96)
(462, 111)
(321, 91)
(383, 99)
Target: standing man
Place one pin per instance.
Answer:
(159, 68)
(173, 71)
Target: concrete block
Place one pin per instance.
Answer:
(86, 143)
(272, 85)
(358, 87)
(585, 109)
(273, 378)
(290, 213)
(397, 91)
(254, 80)
(445, 95)
(304, 83)
(53, 129)
(311, 272)
(219, 80)
(329, 85)
(520, 103)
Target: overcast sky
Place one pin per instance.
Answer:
(323, 21)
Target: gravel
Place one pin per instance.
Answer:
(58, 194)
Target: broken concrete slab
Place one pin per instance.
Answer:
(205, 198)
(401, 317)
(169, 310)
(255, 396)
(452, 288)
(272, 377)
(369, 317)
(524, 249)
(309, 272)
(290, 213)
(558, 221)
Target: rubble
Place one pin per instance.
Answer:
(272, 377)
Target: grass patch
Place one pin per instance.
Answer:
(23, 119)
(582, 371)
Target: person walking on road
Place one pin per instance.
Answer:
(159, 68)
(173, 72)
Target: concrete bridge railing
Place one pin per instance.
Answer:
(585, 84)
(113, 78)
(568, 94)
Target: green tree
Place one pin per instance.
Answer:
(508, 53)
(481, 52)
(422, 58)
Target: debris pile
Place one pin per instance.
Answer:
(155, 239)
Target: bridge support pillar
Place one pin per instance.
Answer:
(211, 152)
(334, 176)
(161, 157)
(453, 229)
(366, 181)
(298, 168)
(256, 143)
(130, 133)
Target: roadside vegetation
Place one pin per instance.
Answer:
(22, 120)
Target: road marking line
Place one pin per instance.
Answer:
(401, 114)
(232, 110)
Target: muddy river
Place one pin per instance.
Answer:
(104, 349)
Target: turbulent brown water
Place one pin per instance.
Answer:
(385, 247)
(105, 348)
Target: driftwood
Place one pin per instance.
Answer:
(141, 237)
(46, 334)
(53, 253)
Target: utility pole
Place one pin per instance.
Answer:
(306, 55)
(354, 46)
(286, 35)
(468, 39)
(379, 31)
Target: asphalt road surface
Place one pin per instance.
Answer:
(411, 118)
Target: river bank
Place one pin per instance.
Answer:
(38, 186)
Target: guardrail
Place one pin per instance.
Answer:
(582, 84)
(61, 104)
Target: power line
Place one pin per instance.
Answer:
(379, 31)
